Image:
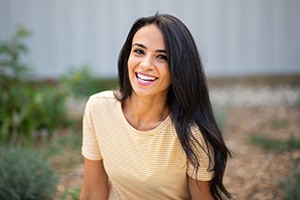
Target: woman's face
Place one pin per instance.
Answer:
(148, 67)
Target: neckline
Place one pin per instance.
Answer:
(145, 133)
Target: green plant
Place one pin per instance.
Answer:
(25, 175)
(276, 145)
(70, 142)
(49, 107)
(14, 95)
(276, 123)
(292, 185)
(25, 108)
(72, 194)
(10, 53)
(82, 83)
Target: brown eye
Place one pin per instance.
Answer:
(138, 51)
(162, 57)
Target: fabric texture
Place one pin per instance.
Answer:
(140, 164)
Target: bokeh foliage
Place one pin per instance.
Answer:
(25, 175)
(26, 108)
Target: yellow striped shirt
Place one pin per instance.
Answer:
(140, 164)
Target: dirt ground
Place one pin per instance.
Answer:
(252, 173)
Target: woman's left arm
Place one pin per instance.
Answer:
(199, 189)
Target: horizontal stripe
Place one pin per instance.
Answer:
(140, 164)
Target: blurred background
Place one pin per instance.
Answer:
(234, 37)
(55, 54)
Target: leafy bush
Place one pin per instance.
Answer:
(72, 194)
(24, 175)
(67, 145)
(82, 83)
(49, 107)
(276, 123)
(25, 108)
(276, 145)
(10, 53)
(292, 185)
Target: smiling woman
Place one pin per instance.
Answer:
(148, 67)
(155, 138)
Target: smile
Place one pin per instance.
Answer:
(143, 77)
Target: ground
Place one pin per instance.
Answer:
(253, 172)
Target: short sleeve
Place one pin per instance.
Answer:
(90, 147)
(203, 153)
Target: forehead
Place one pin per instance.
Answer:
(150, 36)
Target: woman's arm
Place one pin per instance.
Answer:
(199, 190)
(95, 181)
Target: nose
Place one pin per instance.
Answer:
(146, 62)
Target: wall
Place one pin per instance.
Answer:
(235, 37)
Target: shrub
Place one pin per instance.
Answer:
(49, 107)
(292, 185)
(24, 175)
(10, 52)
(82, 83)
(276, 145)
(276, 123)
(24, 108)
(72, 194)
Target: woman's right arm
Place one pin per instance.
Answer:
(95, 181)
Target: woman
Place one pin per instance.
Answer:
(155, 138)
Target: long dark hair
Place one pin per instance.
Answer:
(188, 97)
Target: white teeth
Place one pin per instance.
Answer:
(145, 78)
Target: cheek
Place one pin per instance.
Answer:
(130, 63)
(167, 74)
(130, 66)
(169, 82)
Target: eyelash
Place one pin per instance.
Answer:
(138, 51)
(163, 57)
(141, 52)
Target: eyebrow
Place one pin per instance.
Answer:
(144, 47)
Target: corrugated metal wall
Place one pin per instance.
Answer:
(235, 37)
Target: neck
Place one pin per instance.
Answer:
(145, 113)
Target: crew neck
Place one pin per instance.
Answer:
(153, 131)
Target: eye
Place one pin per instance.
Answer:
(162, 57)
(138, 51)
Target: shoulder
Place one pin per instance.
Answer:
(109, 94)
(102, 97)
(101, 100)
(199, 136)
